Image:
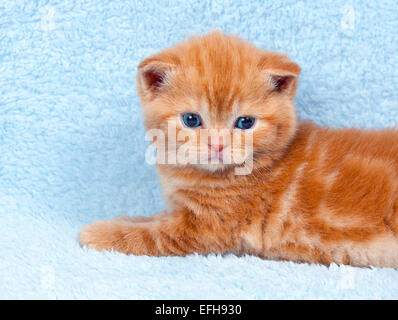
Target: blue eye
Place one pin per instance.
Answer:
(191, 120)
(244, 123)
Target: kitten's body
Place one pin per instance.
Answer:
(333, 198)
(314, 195)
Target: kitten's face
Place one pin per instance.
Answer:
(228, 101)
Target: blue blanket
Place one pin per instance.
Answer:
(72, 143)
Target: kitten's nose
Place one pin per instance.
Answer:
(216, 147)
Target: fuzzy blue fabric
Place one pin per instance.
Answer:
(72, 140)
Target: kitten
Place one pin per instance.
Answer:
(313, 194)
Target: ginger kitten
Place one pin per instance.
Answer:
(312, 194)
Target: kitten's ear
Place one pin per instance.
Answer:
(281, 73)
(153, 74)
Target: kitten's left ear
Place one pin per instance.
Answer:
(153, 73)
(280, 72)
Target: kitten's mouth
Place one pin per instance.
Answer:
(215, 156)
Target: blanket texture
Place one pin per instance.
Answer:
(72, 146)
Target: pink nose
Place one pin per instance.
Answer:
(216, 147)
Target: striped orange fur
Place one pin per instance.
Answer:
(315, 195)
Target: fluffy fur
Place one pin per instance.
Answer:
(315, 195)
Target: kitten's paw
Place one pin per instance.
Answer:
(103, 235)
(140, 219)
(129, 220)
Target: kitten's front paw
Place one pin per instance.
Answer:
(102, 235)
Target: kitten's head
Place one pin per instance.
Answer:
(220, 86)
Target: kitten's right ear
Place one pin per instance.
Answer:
(281, 72)
(153, 72)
